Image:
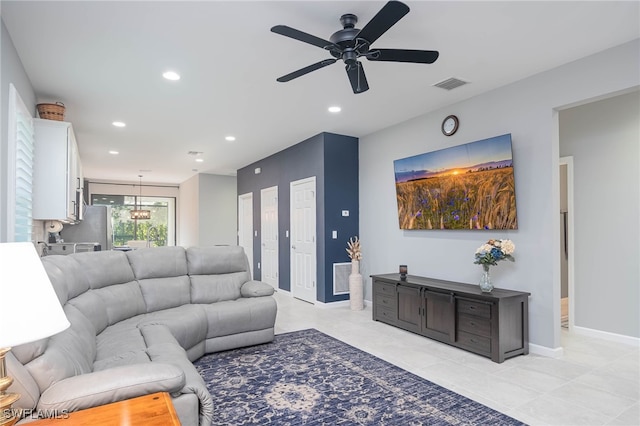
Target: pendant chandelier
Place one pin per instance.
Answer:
(140, 213)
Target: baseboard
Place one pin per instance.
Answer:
(339, 304)
(545, 351)
(605, 335)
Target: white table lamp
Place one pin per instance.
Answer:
(29, 310)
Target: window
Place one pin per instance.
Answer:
(157, 231)
(20, 169)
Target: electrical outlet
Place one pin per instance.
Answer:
(334, 235)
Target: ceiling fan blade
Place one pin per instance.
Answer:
(403, 55)
(357, 78)
(306, 70)
(304, 37)
(390, 13)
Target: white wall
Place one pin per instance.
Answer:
(218, 210)
(604, 140)
(526, 110)
(188, 213)
(208, 211)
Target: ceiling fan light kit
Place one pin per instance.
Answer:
(350, 44)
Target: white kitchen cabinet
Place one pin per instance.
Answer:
(57, 172)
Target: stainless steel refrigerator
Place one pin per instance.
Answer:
(95, 227)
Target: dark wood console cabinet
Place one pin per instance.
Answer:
(493, 324)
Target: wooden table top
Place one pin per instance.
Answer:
(149, 410)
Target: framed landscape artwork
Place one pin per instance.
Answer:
(469, 186)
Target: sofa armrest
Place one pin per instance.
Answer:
(256, 289)
(111, 385)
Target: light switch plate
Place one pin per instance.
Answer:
(345, 213)
(334, 235)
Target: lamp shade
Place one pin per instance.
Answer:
(30, 309)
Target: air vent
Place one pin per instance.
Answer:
(450, 83)
(341, 273)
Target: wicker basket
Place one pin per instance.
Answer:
(51, 111)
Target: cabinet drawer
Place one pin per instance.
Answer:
(386, 315)
(474, 342)
(474, 325)
(471, 307)
(383, 301)
(384, 288)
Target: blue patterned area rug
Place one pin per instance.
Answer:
(309, 378)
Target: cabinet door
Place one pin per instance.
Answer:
(72, 176)
(409, 308)
(439, 316)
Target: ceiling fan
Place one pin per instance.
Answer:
(351, 43)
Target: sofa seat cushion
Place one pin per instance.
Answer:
(187, 323)
(240, 315)
(139, 356)
(119, 339)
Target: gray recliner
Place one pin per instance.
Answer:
(138, 321)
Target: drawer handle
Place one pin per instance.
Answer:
(473, 340)
(472, 324)
(471, 308)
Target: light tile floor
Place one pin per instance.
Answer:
(596, 382)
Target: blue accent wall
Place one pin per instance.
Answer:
(333, 160)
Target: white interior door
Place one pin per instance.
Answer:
(303, 239)
(245, 225)
(269, 235)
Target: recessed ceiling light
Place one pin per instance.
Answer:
(171, 75)
(335, 109)
(114, 152)
(118, 124)
(230, 138)
(199, 160)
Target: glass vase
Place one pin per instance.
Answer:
(485, 280)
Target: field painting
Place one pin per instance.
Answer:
(469, 186)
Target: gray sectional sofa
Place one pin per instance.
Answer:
(138, 320)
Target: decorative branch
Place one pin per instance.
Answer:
(353, 248)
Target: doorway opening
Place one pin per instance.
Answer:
(566, 244)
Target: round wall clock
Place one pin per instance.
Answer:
(450, 125)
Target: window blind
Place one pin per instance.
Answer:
(21, 151)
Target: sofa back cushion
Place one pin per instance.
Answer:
(164, 293)
(68, 353)
(113, 293)
(217, 273)
(66, 276)
(162, 275)
(105, 268)
(158, 262)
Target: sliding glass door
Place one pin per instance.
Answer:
(155, 232)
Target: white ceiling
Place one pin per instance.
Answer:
(104, 60)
